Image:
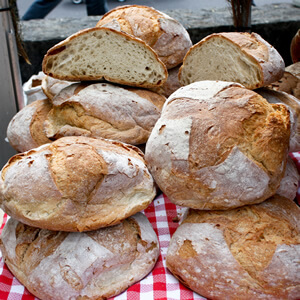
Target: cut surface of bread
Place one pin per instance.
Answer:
(104, 53)
(234, 56)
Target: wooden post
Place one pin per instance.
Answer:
(241, 14)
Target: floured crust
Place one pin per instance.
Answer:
(76, 184)
(164, 34)
(104, 110)
(93, 265)
(233, 56)
(218, 145)
(26, 129)
(52, 86)
(103, 53)
(246, 253)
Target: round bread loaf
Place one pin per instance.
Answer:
(250, 252)
(165, 35)
(93, 265)
(218, 145)
(293, 104)
(232, 56)
(76, 184)
(26, 129)
(104, 110)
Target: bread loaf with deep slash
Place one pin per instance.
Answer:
(162, 33)
(235, 57)
(251, 252)
(105, 54)
(218, 145)
(71, 265)
(76, 184)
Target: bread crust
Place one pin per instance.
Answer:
(266, 61)
(51, 86)
(93, 265)
(246, 253)
(151, 72)
(164, 34)
(26, 129)
(104, 110)
(76, 184)
(218, 145)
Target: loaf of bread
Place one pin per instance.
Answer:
(104, 53)
(104, 110)
(165, 35)
(26, 130)
(295, 47)
(232, 56)
(290, 181)
(250, 252)
(218, 145)
(76, 184)
(293, 104)
(52, 86)
(93, 265)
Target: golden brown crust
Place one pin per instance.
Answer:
(76, 184)
(239, 253)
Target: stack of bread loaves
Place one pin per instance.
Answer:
(121, 76)
(75, 193)
(221, 150)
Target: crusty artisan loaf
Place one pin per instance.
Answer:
(104, 53)
(218, 145)
(76, 184)
(165, 35)
(232, 56)
(93, 265)
(104, 110)
(52, 86)
(25, 130)
(250, 252)
(290, 182)
(293, 104)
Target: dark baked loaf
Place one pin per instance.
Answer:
(76, 184)
(93, 265)
(250, 252)
(165, 35)
(218, 145)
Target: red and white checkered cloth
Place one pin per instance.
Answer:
(160, 284)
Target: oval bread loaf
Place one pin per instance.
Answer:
(26, 129)
(76, 184)
(165, 35)
(250, 252)
(103, 53)
(104, 110)
(235, 57)
(93, 265)
(218, 145)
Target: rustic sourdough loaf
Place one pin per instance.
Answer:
(104, 53)
(26, 130)
(218, 145)
(250, 252)
(293, 104)
(76, 184)
(93, 265)
(104, 110)
(232, 56)
(165, 35)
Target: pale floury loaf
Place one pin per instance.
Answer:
(218, 145)
(56, 265)
(105, 54)
(165, 35)
(104, 110)
(235, 57)
(76, 184)
(251, 252)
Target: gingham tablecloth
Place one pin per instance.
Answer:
(160, 284)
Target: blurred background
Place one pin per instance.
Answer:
(68, 9)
